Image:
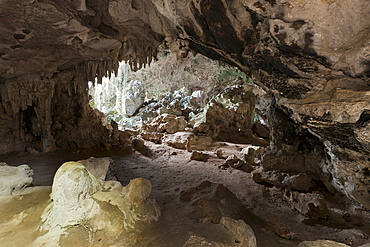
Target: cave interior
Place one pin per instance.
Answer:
(277, 157)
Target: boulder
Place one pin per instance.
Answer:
(321, 243)
(249, 155)
(188, 141)
(246, 168)
(197, 241)
(219, 154)
(166, 123)
(72, 201)
(199, 156)
(172, 124)
(242, 233)
(181, 140)
(261, 130)
(152, 136)
(238, 164)
(238, 232)
(232, 159)
(201, 143)
(14, 178)
(210, 202)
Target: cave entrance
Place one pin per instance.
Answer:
(195, 94)
(31, 124)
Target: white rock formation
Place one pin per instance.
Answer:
(14, 179)
(79, 199)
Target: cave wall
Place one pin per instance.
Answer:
(41, 115)
(311, 56)
(313, 59)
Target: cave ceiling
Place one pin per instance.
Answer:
(312, 56)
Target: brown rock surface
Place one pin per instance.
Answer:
(312, 57)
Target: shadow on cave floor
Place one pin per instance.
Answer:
(171, 171)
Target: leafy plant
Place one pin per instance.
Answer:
(230, 75)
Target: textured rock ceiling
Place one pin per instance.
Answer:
(312, 56)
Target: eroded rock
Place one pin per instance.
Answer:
(14, 179)
(321, 243)
(80, 199)
(312, 205)
(232, 110)
(242, 233)
(199, 156)
(166, 123)
(300, 181)
(211, 202)
(187, 141)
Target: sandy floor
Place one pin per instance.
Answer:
(171, 171)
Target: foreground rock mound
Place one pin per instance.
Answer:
(79, 199)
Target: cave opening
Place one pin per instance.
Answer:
(267, 145)
(31, 124)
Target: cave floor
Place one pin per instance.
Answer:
(171, 171)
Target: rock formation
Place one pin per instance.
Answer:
(14, 179)
(312, 57)
(228, 116)
(80, 199)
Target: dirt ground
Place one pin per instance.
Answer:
(171, 171)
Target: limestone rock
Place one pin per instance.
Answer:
(152, 136)
(178, 103)
(232, 110)
(181, 140)
(200, 156)
(242, 233)
(166, 123)
(232, 159)
(321, 243)
(249, 155)
(257, 176)
(261, 130)
(309, 204)
(72, 202)
(14, 179)
(201, 143)
(135, 201)
(134, 96)
(211, 202)
(102, 168)
(195, 241)
(316, 74)
(188, 141)
(138, 143)
(238, 164)
(80, 199)
(219, 154)
(301, 181)
(247, 168)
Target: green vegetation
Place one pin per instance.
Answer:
(231, 76)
